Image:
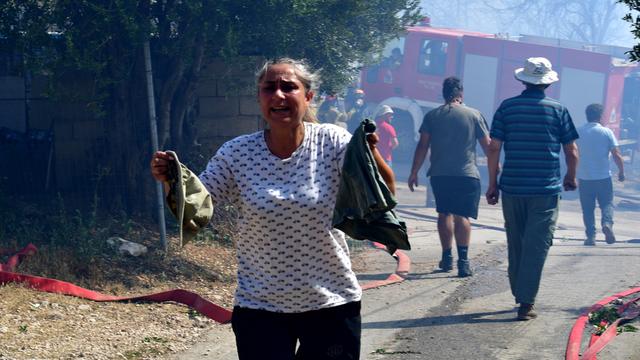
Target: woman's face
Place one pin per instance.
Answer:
(283, 100)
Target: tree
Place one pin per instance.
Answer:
(634, 6)
(335, 35)
(103, 39)
(590, 21)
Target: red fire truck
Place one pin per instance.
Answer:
(409, 78)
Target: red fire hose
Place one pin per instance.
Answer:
(402, 269)
(598, 342)
(192, 300)
(188, 298)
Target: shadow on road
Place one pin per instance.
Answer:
(372, 277)
(474, 318)
(400, 209)
(435, 274)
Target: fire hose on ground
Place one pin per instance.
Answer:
(626, 311)
(185, 297)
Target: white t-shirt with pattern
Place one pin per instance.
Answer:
(290, 259)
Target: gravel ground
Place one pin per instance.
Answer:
(36, 325)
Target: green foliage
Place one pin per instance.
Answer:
(103, 37)
(23, 30)
(627, 328)
(154, 339)
(634, 19)
(53, 226)
(334, 35)
(602, 318)
(222, 232)
(192, 314)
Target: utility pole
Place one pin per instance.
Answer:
(154, 142)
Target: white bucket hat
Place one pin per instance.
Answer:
(384, 109)
(537, 71)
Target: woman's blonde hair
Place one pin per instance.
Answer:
(309, 79)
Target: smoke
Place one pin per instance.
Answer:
(591, 21)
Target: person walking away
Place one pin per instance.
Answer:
(295, 284)
(596, 143)
(452, 131)
(533, 128)
(387, 134)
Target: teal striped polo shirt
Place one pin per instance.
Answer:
(532, 128)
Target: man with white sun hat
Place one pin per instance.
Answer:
(536, 71)
(533, 128)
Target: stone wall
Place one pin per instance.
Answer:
(227, 107)
(228, 104)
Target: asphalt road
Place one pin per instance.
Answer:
(434, 315)
(438, 316)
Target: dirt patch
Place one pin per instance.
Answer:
(36, 325)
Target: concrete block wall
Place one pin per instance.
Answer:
(227, 107)
(24, 164)
(77, 141)
(12, 103)
(228, 103)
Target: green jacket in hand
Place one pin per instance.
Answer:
(188, 200)
(364, 202)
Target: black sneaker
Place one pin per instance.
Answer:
(609, 237)
(446, 264)
(590, 241)
(464, 269)
(526, 312)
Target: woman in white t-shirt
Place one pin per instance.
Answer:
(295, 283)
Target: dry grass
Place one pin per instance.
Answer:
(72, 247)
(35, 325)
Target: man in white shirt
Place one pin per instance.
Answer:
(596, 143)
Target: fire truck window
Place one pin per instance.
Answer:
(394, 60)
(372, 74)
(432, 59)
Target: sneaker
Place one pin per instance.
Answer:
(609, 237)
(590, 241)
(464, 269)
(526, 312)
(446, 264)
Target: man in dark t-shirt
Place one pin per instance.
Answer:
(452, 131)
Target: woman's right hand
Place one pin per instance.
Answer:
(160, 166)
